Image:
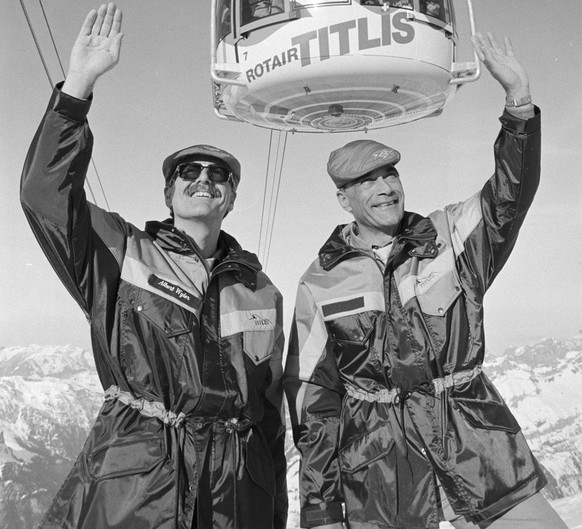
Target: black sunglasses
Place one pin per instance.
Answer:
(192, 170)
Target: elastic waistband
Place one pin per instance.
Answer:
(393, 396)
(157, 410)
(145, 407)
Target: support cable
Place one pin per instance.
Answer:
(52, 38)
(51, 82)
(271, 192)
(278, 184)
(271, 200)
(265, 193)
(46, 70)
(63, 73)
(44, 64)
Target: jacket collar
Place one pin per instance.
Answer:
(231, 257)
(416, 238)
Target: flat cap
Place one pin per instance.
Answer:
(189, 153)
(357, 158)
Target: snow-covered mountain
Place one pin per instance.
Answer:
(542, 383)
(49, 397)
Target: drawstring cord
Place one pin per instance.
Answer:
(402, 441)
(425, 388)
(153, 409)
(236, 427)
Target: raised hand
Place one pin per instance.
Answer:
(502, 64)
(95, 51)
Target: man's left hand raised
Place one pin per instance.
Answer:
(505, 68)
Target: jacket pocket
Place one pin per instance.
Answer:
(171, 319)
(364, 451)
(351, 330)
(125, 458)
(481, 405)
(259, 345)
(487, 415)
(437, 298)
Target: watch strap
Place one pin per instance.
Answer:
(521, 102)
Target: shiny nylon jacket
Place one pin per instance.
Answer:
(191, 433)
(384, 377)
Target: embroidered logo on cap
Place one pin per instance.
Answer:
(384, 153)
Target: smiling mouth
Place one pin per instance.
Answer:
(203, 191)
(387, 204)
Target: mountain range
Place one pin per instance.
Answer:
(50, 395)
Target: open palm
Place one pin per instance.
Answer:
(501, 63)
(98, 45)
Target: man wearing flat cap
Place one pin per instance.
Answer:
(396, 424)
(186, 331)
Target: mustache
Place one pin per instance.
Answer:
(203, 187)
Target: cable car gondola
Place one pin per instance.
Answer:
(335, 65)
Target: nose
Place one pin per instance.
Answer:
(203, 176)
(383, 185)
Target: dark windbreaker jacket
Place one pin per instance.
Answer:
(384, 375)
(190, 360)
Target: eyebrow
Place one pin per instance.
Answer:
(390, 172)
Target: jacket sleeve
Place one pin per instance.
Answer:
(273, 422)
(314, 394)
(83, 243)
(485, 227)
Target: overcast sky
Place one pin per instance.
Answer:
(159, 99)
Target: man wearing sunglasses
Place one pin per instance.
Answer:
(396, 423)
(186, 330)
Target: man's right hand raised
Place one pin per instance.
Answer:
(95, 51)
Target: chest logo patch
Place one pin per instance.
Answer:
(259, 321)
(424, 282)
(248, 321)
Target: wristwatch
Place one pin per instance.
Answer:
(521, 102)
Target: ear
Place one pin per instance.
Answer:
(232, 199)
(169, 195)
(343, 200)
(230, 202)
